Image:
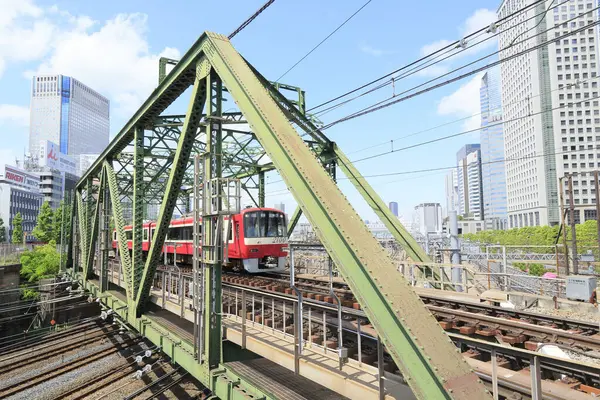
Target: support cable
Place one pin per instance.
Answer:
(249, 20)
(323, 41)
(449, 47)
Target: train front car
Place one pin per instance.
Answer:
(263, 242)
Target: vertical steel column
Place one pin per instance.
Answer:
(261, 188)
(573, 227)
(88, 208)
(563, 210)
(137, 263)
(197, 275)
(494, 375)
(105, 235)
(212, 243)
(69, 230)
(536, 378)
(597, 189)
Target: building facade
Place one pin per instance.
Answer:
(69, 113)
(19, 193)
(393, 208)
(493, 174)
(470, 193)
(85, 161)
(451, 191)
(529, 87)
(428, 218)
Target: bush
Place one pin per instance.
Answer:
(536, 269)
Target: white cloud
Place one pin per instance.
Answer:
(433, 71)
(14, 115)
(479, 19)
(435, 46)
(372, 51)
(113, 56)
(464, 102)
(115, 60)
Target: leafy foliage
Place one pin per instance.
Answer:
(2, 231)
(536, 269)
(17, 235)
(43, 230)
(41, 262)
(30, 294)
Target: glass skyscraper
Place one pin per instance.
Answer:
(492, 152)
(68, 113)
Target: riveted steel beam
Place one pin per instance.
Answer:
(137, 262)
(412, 336)
(117, 213)
(93, 228)
(180, 162)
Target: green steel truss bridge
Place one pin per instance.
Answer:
(151, 163)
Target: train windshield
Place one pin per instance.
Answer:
(264, 224)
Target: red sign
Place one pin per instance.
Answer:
(15, 177)
(52, 155)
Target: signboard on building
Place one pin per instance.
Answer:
(51, 157)
(21, 178)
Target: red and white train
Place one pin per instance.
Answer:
(257, 240)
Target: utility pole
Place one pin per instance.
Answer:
(573, 231)
(455, 249)
(561, 192)
(597, 206)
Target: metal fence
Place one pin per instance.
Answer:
(11, 253)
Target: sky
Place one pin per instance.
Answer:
(114, 47)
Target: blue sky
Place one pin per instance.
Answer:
(113, 46)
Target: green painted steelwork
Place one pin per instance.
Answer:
(137, 262)
(117, 214)
(95, 218)
(81, 245)
(180, 163)
(413, 338)
(223, 382)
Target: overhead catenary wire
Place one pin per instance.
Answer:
(464, 132)
(414, 69)
(390, 101)
(450, 46)
(323, 41)
(250, 19)
(566, 105)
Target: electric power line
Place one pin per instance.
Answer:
(249, 20)
(418, 68)
(324, 40)
(450, 46)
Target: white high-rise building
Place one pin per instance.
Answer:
(451, 190)
(69, 113)
(546, 90)
(470, 188)
(428, 218)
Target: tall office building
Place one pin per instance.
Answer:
(393, 208)
(551, 92)
(492, 152)
(428, 218)
(451, 190)
(67, 112)
(470, 194)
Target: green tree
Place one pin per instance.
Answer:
(43, 229)
(17, 235)
(57, 223)
(2, 231)
(40, 263)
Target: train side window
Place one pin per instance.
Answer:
(114, 236)
(145, 235)
(187, 233)
(129, 235)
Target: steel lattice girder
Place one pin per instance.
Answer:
(412, 336)
(180, 163)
